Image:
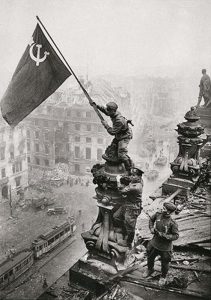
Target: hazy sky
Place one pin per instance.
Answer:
(127, 37)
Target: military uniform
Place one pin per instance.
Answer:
(122, 133)
(165, 231)
(130, 210)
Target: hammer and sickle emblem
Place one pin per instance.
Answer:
(37, 58)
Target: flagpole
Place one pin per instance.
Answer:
(84, 90)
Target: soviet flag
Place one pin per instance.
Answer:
(39, 73)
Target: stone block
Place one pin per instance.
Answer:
(172, 184)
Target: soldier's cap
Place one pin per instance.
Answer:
(112, 106)
(204, 70)
(170, 206)
(139, 171)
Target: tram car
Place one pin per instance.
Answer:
(49, 240)
(20, 262)
(13, 267)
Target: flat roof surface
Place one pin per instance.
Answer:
(53, 231)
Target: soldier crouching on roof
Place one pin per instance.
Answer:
(131, 189)
(121, 131)
(164, 230)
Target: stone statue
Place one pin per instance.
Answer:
(187, 164)
(205, 89)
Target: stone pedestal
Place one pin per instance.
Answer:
(188, 164)
(88, 276)
(106, 240)
(205, 120)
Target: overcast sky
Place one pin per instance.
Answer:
(127, 37)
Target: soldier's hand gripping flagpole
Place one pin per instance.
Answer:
(91, 102)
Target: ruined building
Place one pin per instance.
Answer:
(13, 159)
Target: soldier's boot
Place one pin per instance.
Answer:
(148, 273)
(128, 165)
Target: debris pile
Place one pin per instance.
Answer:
(117, 292)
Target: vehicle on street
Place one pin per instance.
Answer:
(41, 203)
(20, 262)
(56, 211)
(13, 267)
(57, 182)
(49, 240)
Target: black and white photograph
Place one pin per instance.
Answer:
(105, 149)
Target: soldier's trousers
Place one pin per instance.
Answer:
(126, 217)
(122, 148)
(152, 253)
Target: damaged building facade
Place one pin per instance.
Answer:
(60, 133)
(65, 129)
(13, 160)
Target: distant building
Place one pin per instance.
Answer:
(13, 159)
(87, 138)
(65, 132)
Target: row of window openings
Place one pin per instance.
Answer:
(37, 148)
(3, 173)
(37, 161)
(38, 122)
(88, 153)
(79, 114)
(12, 155)
(58, 235)
(11, 133)
(17, 179)
(88, 140)
(53, 239)
(77, 139)
(77, 127)
(88, 127)
(37, 135)
(17, 167)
